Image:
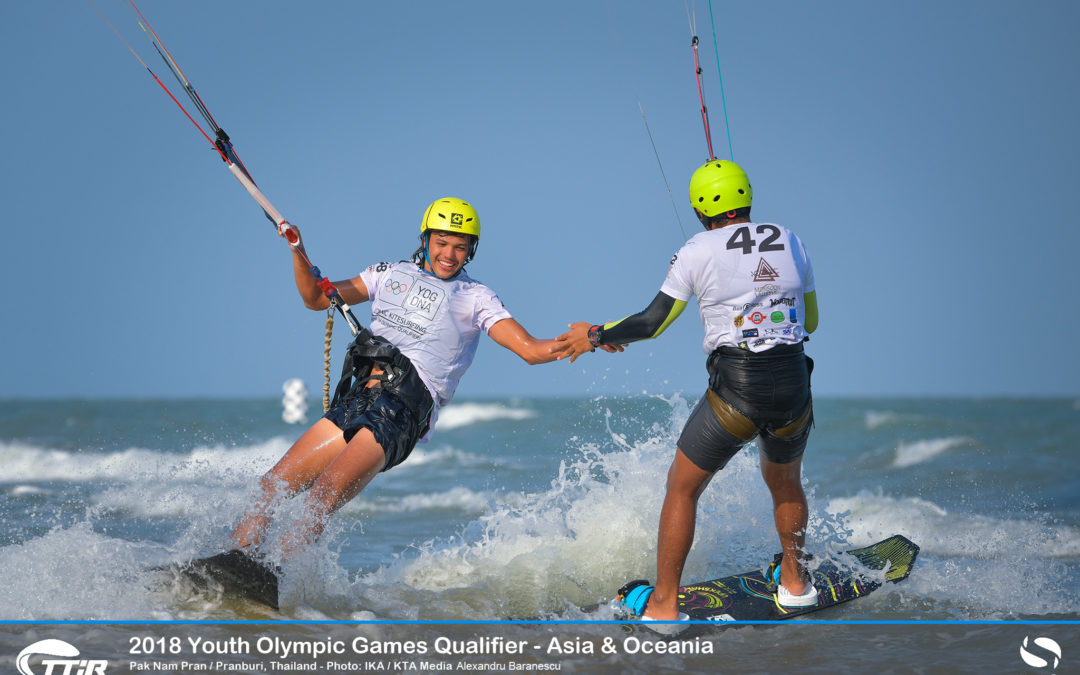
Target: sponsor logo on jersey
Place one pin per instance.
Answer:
(768, 289)
(750, 332)
(777, 331)
(765, 271)
(739, 321)
(412, 294)
(745, 306)
(793, 316)
(787, 302)
(776, 317)
(757, 317)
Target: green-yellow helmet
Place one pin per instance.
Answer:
(451, 214)
(719, 186)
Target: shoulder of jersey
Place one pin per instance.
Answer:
(466, 280)
(380, 266)
(693, 243)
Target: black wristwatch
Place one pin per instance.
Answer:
(594, 335)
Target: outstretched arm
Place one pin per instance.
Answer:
(646, 324)
(512, 335)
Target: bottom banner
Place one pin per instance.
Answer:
(103, 648)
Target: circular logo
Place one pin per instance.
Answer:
(1042, 652)
(738, 321)
(757, 317)
(776, 317)
(396, 287)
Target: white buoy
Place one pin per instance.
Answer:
(294, 402)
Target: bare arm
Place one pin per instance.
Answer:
(512, 335)
(353, 291)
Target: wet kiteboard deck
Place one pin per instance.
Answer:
(752, 597)
(234, 574)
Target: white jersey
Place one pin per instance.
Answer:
(434, 322)
(749, 279)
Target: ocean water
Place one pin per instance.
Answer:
(539, 509)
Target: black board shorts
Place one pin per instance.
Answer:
(392, 420)
(763, 395)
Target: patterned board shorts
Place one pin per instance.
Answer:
(392, 422)
(764, 396)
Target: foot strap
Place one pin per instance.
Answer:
(634, 596)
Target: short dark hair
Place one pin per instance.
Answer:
(723, 218)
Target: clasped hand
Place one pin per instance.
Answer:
(575, 342)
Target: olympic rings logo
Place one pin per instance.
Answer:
(396, 287)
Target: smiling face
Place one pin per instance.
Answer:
(447, 253)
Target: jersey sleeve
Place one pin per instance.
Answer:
(807, 269)
(489, 309)
(678, 283)
(372, 276)
(646, 324)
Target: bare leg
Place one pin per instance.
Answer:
(790, 513)
(685, 483)
(349, 473)
(298, 469)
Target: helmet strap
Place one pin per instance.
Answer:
(427, 259)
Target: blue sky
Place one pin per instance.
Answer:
(926, 153)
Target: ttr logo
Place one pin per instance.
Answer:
(1042, 652)
(66, 666)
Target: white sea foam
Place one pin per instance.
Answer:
(145, 483)
(874, 419)
(970, 564)
(422, 455)
(26, 463)
(457, 498)
(458, 415)
(942, 532)
(20, 490)
(70, 573)
(186, 501)
(910, 454)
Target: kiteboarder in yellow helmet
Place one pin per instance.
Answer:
(397, 375)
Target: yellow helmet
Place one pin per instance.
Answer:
(719, 186)
(451, 214)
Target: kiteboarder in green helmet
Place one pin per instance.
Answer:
(757, 299)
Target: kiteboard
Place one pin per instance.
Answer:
(234, 574)
(751, 596)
